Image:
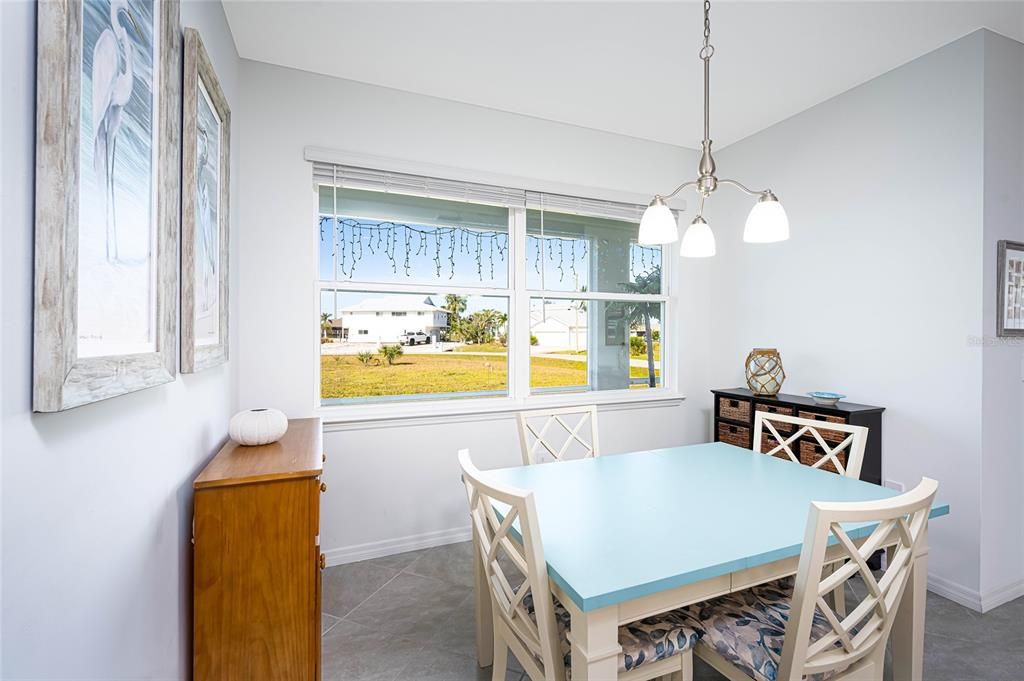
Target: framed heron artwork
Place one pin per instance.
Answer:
(108, 91)
(206, 158)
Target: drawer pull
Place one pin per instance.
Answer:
(324, 458)
(323, 562)
(323, 486)
(734, 403)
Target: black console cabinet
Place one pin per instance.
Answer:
(734, 421)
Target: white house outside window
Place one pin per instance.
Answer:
(507, 294)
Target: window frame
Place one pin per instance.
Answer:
(519, 296)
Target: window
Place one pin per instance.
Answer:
(501, 293)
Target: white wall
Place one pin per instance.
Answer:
(1002, 468)
(287, 110)
(96, 501)
(878, 292)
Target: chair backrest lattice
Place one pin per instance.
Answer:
(851, 447)
(511, 555)
(850, 643)
(558, 434)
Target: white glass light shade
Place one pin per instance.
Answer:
(658, 225)
(767, 222)
(698, 241)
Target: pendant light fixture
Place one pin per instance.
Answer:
(767, 221)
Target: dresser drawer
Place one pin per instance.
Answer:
(811, 452)
(734, 435)
(774, 409)
(768, 443)
(825, 419)
(734, 409)
(777, 409)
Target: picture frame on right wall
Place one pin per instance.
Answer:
(1010, 315)
(206, 158)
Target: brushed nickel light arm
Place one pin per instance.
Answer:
(767, 220)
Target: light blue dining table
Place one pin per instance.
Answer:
(631, 535)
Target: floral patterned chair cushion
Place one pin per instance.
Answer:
(646, 640)
(747, 628)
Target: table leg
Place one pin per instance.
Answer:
(908, 629)
(594, 637)
(484, 618)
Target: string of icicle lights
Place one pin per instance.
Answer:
(354, 238)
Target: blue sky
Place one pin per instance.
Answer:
(564, 262)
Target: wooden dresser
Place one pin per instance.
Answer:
(734, 422)
(256, 593)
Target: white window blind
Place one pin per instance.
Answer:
(557, 203)
(416, 185)
(367, 179)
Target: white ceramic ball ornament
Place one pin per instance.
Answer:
(257, 426)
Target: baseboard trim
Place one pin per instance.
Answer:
(389, 547)
(1008, 593)
(954, 592)
(973, 599)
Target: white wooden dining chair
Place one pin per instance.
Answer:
(557, 434)
(742, 635)
(845, 456)
(526, 618)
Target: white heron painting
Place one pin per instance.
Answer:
(207, 233)
(117, 216)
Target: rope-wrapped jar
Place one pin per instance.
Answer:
(764, 371)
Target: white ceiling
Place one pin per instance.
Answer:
(624, 67)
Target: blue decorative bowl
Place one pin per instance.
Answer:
(825, 399)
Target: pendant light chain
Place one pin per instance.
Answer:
(767, 221)
(706, 52)
(707, 31)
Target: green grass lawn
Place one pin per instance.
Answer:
(482, 347)
(344, 376)
(657, 352)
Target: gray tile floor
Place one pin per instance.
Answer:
(410, 616)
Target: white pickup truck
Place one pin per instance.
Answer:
(414, 338)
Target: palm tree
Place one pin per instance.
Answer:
(391, 352)
(483, 325)
(648, 283)
(501, 328)
(456, 306)
(325, 324)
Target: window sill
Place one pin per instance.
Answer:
(381, 415)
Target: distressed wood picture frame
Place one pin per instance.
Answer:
(206, 160)
(1010, 290)
(64, 377)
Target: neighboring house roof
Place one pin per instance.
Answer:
(558, 316)
(412, 303)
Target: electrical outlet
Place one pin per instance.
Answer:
(894, 484)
